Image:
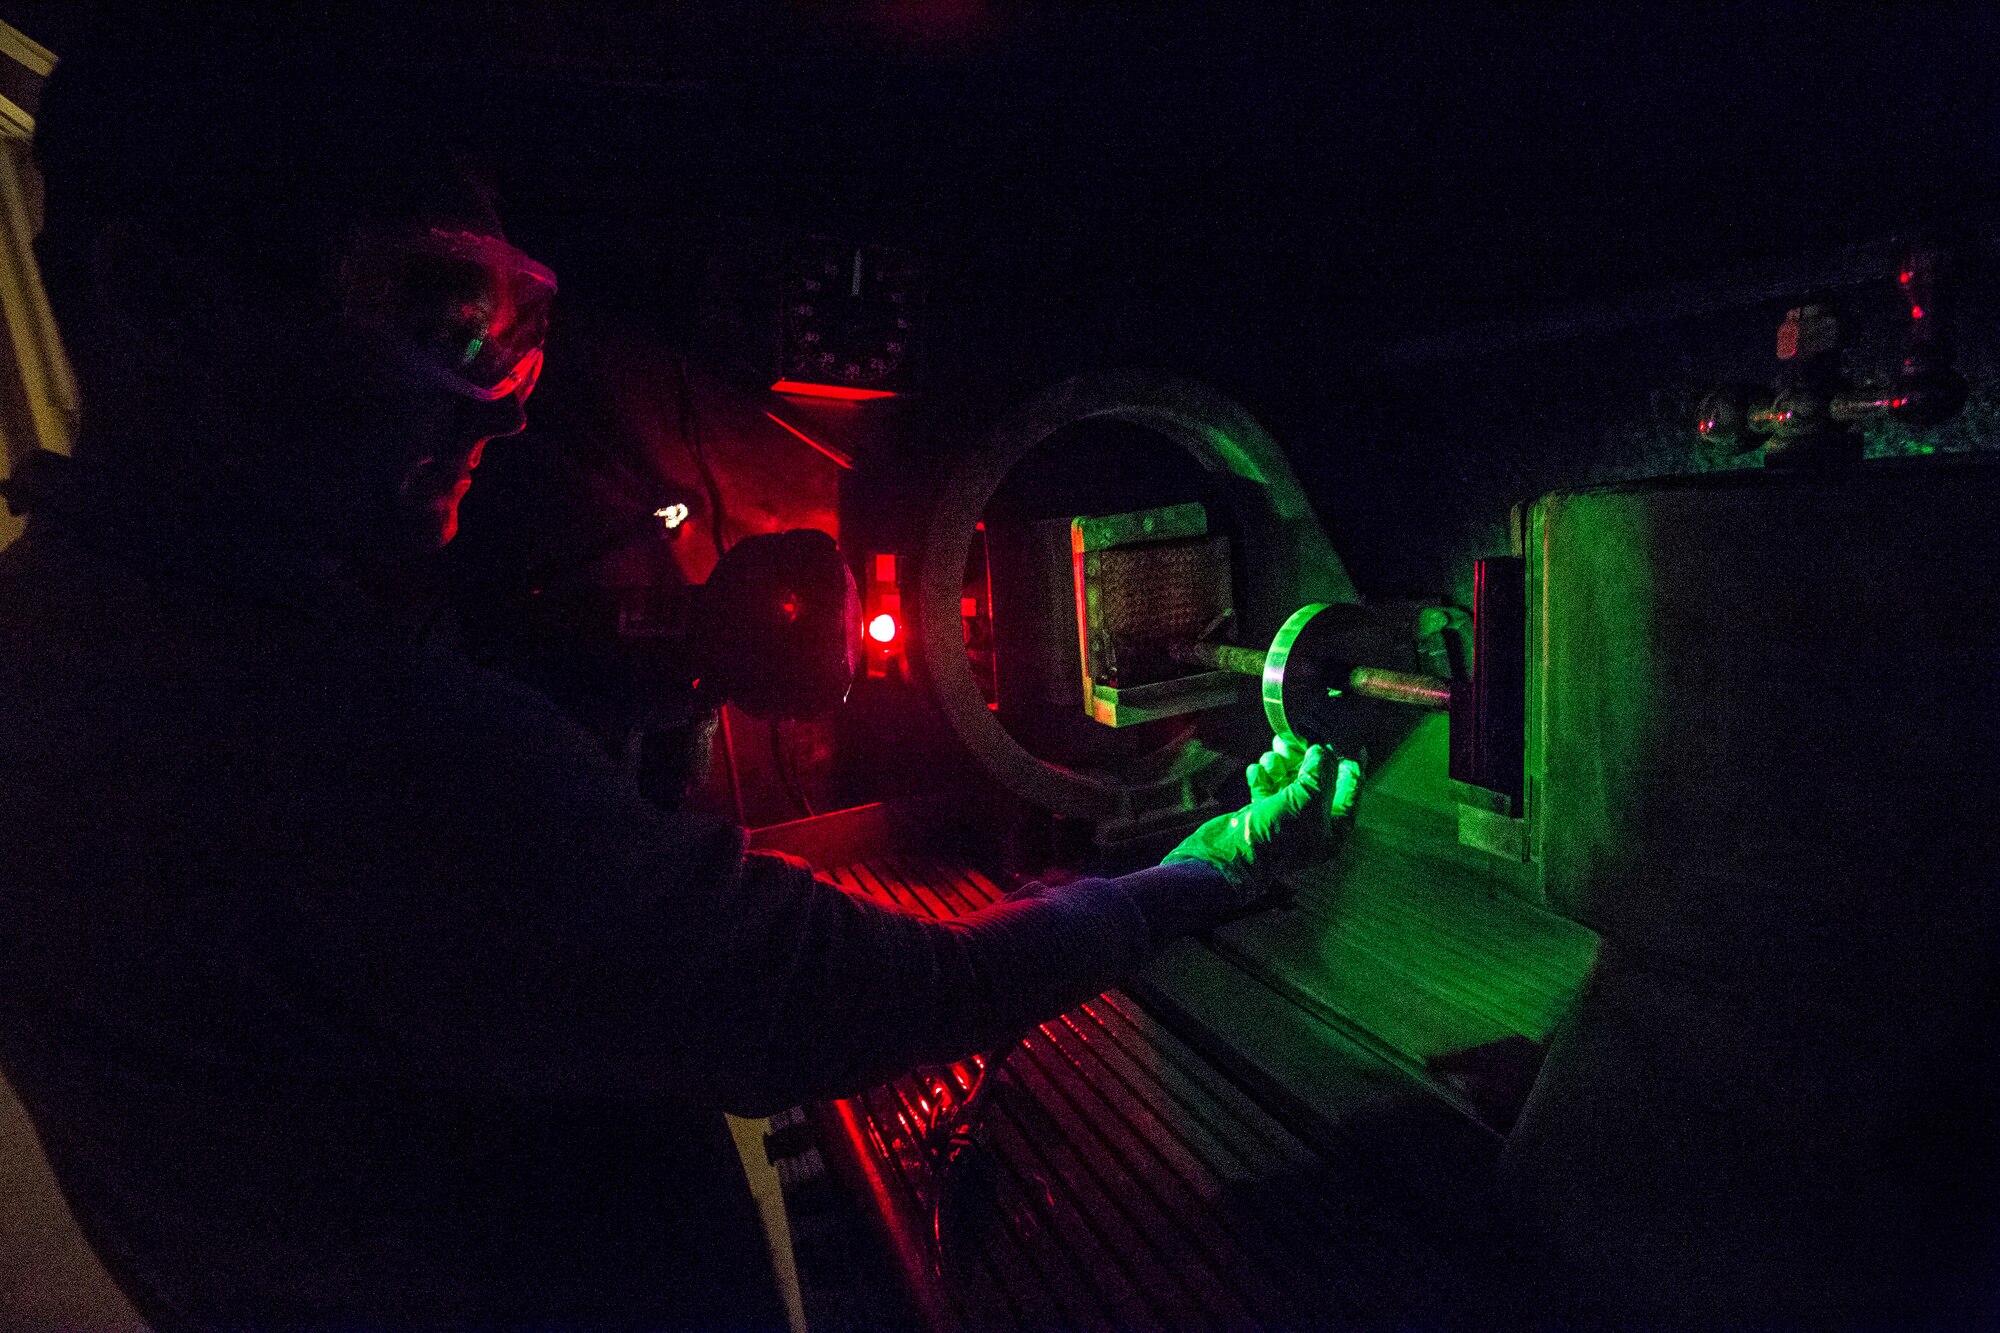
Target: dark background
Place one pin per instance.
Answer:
(1451, 256)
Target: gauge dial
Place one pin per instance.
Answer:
(850, 315)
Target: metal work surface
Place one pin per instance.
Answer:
(1117, 1178)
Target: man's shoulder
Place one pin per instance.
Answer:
(289, 661)
(39, 559)
(150, 702)
(74, 613)
(53, 592)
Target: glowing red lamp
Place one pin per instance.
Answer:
(882, 607)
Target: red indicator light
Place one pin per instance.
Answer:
(839, 391)
(882, 628)
(1904, 277)
(1916, 312)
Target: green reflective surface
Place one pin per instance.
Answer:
(1405, 950)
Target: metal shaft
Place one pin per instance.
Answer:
(1219, 657)
(1402, 687)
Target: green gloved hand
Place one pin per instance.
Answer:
(1299, 804)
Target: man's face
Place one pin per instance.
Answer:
(415, 447)
(443, 325)
(356, 404)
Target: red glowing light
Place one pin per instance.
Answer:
(882, 628)
(1904, 277)
(839, 391)
(1916, 312)
(828, 450)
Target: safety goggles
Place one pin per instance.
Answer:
(464, 311)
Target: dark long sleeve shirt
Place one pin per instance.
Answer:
(347, 984)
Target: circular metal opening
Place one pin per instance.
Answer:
(1212, 447)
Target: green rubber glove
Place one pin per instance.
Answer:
(1299, 806)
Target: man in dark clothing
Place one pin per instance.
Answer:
(348, 985)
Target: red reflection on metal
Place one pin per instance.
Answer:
(836, 455)
(976, 622)
(911, 1255)
(841, 392)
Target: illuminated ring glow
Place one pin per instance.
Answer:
(1273, 685)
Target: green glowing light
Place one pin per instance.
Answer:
(1273, 690)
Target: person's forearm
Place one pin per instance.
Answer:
(885, 991)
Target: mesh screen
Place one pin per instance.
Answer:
(1169, 590)
(1140, 596)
